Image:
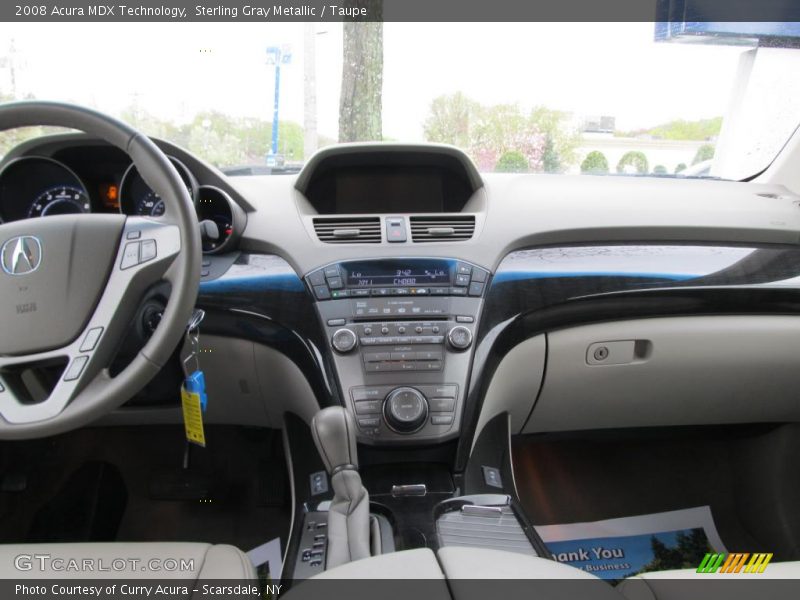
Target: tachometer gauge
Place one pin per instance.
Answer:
(60, 200)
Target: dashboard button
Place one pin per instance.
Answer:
(321, 292)
(332, 272)
(335, 283)
(401, 291)
(440, 291)
(444, 391)
(431, 365)
(339, 294)
(442, 404)
(344, 340)
(475, 289)
(464, 319)
(368, 407)
(462, 280)
(463, 269)
(377, 356)
(441, 419)
(458, 291)
(419, 291)
(359, 292)
(316, 278)
(336, 322)
(429, 355)
(369, 422)
(479, 275)
(380, 292)
(367, 394)
(403, 356)
(378, 367)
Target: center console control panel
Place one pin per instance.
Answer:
(402, 351)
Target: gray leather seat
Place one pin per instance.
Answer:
(135, 560)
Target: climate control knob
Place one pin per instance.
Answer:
(405, 410)
(459, 337)
(344, 340)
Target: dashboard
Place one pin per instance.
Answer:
(93, 178)
(396, 279)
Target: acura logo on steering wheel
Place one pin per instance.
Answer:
(21, 255)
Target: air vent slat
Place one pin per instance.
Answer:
(337, 230)
(442, 229)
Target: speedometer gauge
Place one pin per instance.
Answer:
(138, 198)
(150, 205)
(60, 200)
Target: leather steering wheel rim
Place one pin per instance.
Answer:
(174, 238)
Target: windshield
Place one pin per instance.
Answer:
(589, 98)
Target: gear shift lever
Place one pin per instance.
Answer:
(348, 517)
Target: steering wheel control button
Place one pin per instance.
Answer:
(133, 235)
(344, 340)
(405, 410)
(91, 339)
(148, 251)
(130, 255)
(459, 337)
(76, 368)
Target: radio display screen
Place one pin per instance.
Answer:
(394, 273)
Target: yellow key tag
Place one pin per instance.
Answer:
(193, 417)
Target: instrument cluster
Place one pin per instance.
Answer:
(41, 186)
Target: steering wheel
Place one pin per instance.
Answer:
(70, 285)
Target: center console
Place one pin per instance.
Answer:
(401, 332)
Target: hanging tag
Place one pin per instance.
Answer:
(194, 399)
(193, 406)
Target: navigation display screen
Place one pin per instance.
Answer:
(397, 273)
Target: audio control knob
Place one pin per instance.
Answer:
(344, 340)
(459, 337)
(405, 410)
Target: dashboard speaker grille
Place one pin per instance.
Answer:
(442, 229)
(352, 230)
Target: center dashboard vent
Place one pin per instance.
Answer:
(348, 230)
(442, 229)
